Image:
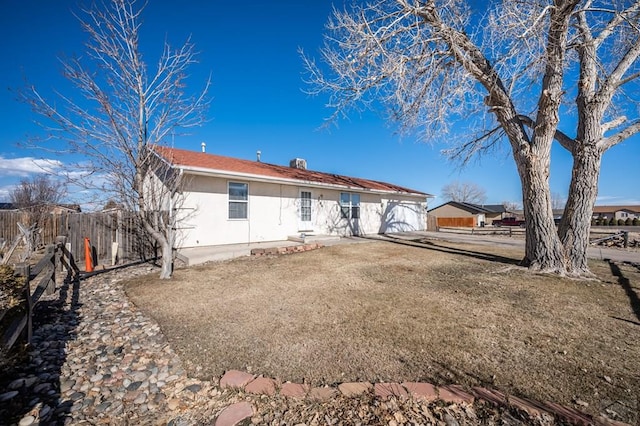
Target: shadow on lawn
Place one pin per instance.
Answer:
(634, 300)
(430, 245)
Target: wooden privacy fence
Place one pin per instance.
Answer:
(116, 237)
(40, 280)
(466, 222)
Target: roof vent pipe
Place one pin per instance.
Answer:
(258, 153)
(204, 146)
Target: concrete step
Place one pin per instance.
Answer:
(311, 238)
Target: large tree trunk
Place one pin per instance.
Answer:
(576, 220)
(167, 250)
(543, 250)
(167, 260)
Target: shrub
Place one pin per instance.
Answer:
(612, 222)
(635, 221)
(628, 222)
(594, 222)
(620, 222)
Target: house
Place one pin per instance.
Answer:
(230, 201)
(557, 214)
(616, 212)
(65, 208)
(455, 213)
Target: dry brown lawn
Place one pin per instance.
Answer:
(435, 312)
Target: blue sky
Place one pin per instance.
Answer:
(258, 103)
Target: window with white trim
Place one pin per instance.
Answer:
(305, 206)
(350, 205)
(238, 200)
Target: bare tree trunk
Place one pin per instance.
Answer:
(167, 250)
(575, 225)
(543, 250)
(167, 260)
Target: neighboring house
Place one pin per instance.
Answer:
(557, 214)
(53, 209)
(454, 213)
(616, 212)
(229, 201)
(65, 208)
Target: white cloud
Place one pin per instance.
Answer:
(24, 166)
(5, 193)
(615, 200)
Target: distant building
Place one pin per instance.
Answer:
(54, 208)
(454, 213)
(616, 212)
(65, 208)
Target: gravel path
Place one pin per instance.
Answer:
(95, 359)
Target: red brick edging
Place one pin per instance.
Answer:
(260, 385)
(285, 250)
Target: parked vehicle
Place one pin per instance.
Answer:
(508, 221)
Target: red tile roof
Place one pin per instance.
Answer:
(211, 162)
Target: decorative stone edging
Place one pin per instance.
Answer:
(285, 250)
(450, 394)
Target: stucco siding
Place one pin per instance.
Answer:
(274, 213)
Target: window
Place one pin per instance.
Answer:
(238, 200)
(305, 206)
(350, 205)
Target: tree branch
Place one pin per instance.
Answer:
(565, 141)
(622, 135)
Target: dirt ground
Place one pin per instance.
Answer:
(431, 311)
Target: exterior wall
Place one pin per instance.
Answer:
(402, 215)
(618, 214)
(625, 214)
(490, 217)
(274, 213)
(448, 210)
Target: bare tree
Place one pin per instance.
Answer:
(557, 201)
(504, 75)
(121, 113)
(464, 192)
(36, 197)
(511, 206)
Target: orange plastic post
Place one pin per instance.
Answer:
(88, 261)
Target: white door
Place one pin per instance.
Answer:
(305, 212)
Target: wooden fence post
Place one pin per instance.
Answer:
(59, 253)
(24, 270)
(51, 256)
